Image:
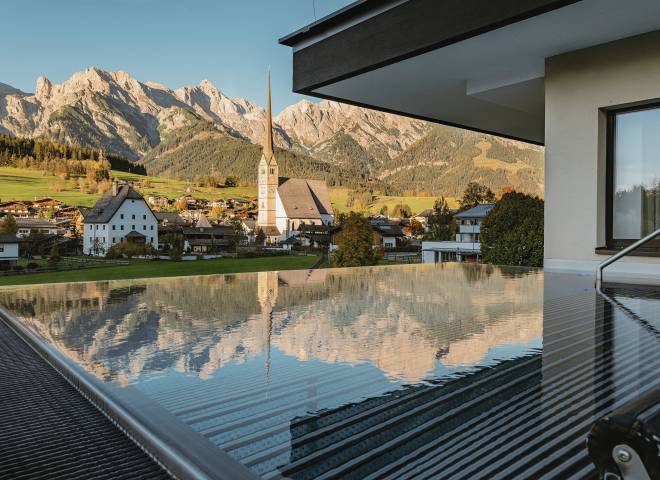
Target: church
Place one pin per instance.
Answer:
(287, 203)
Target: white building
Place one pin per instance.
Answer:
(8, 251)
(286, 203)
(467, 246)
(120, 215)
(37, 226)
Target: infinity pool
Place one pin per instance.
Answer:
(426, 371)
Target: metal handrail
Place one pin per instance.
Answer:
(621, 254)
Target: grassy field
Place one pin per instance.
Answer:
(149, 269)
(339, 198)
(26, 184)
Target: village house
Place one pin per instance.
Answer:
(467, 245)
(205, 238)
(388, 235)
(286, 203)
(45, 204)
(8, 251)
(17, 209)
(120, 215)
(158, 201)
(38, 226)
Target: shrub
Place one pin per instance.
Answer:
(128, 250)
(512, 233)
(32, 266)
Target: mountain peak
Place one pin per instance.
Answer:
(44, 87)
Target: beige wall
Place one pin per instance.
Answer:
(578, 84)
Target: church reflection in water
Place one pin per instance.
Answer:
(369, 372)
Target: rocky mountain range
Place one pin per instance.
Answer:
(198, 129)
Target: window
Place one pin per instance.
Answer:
(152, 227)
(2, 249)
(133, 227)
(144, 217)
(133, 216)
(272, 171)
(113, 240)
(113, 227)
(121, 215)
(121, 227)
(633, 175)
(104, 226)
(144, 227)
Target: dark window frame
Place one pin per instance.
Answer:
(611, 113)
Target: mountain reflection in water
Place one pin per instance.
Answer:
(406, 321)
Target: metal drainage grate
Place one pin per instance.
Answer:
(49, 431)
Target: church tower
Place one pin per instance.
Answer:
(268, 173)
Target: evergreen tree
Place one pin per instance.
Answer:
(260, 238)
(441, 225)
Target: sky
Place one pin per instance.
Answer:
(232, 43)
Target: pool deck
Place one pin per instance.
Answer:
(524, 418)
(50, 431)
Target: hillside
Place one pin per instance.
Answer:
(447, 158)
(199, 148)
(198, 130)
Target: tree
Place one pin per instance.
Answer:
(180, 205)
(476, 194)
(401, 210)
(33, 244)
(239, 233)
(260, 238)
(54, 257)
(441, 224)
(217, 212)
(50, 213)
(413, 229)
(354, 242)
(512, 233)
(9, 225)
(384, 210)
(231, 181)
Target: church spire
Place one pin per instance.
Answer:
(268, 134)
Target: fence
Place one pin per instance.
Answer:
(66, 264)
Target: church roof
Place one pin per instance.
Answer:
(303, 198)
(268, 132)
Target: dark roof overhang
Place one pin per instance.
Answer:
(476, 64)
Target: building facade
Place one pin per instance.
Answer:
(8, 251)
(467, 245)
(120, 215)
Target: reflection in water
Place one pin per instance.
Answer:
(288, 370)
(400, 320)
